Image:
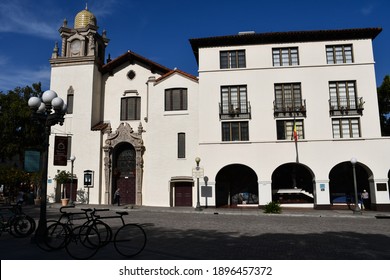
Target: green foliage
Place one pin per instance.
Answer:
(63, 177)
(384, 105)
(273, 208)
(18, 130)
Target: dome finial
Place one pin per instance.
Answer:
(86, 5)
(85, 18)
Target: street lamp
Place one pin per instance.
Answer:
(72, 159)
(357, 209)
(49, 110)
(197, 160)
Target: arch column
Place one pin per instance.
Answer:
(124, 134)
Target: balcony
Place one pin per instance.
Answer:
(229, 111)
(298, 109)
(345, 106)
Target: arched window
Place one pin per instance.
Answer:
(69, 100)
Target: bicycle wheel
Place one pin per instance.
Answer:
(83, 243)
(57, 236)
(104, 230)
(22, 226)
(130, 240)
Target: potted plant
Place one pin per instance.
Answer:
(63, 177)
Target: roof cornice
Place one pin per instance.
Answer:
(131, 57)
(284, 37)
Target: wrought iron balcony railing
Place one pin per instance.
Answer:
(345, 106)
(229, 111)
(297, 109)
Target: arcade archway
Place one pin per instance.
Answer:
(236, 185)
(341, 182)
(293, 183)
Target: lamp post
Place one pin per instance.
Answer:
(197, 160)
(357, 208)
(49, 110)
(72, 159)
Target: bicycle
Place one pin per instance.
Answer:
(58, 231)
(129, 240)
(15, 221)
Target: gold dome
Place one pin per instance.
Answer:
(84, 18)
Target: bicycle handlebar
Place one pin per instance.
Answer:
(65, 207)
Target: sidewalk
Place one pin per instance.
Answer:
(286, 211)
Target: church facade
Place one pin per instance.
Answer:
(270, 117)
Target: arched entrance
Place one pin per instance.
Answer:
(124, 173)
(341, 182)
(292, 183)
(124, 150)
(236, 185)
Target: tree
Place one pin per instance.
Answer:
(18, 131)
(384, 105)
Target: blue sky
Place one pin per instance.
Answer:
(160, 30)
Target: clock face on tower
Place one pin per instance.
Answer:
(75, 46)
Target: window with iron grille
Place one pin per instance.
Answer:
(130, 108)
(285, 56)
(181, 145)
(235, 131)
(175, 99)
(343, 95)
(288, 96)
(337, 54)
(285, 129)
(346, 128)
(232, 59)
(234, 100)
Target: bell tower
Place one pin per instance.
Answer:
(83, 40)
(77, 78)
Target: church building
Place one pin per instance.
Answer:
(290, 117)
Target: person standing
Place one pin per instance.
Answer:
(365, 197)
(117, 196)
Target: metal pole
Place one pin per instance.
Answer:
(198, 208)
(71, 181)
(40, 233)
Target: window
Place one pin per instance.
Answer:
(288, 97)
(175, 99)
(234, 100)
(339, 54)
(235, 131)
(232, 59)
(69, 100)
(181, 145)
(285, 129)
(130, 108)
(285, 56)
(346, 128)
(342, 95)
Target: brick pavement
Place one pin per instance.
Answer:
(182, 233)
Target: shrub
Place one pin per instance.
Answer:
(273, 208)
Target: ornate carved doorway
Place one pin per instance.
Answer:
(123, 164)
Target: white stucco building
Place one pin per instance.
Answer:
(139, 126)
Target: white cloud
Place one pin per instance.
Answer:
(367, 10)
(16, 17)
(24, 77)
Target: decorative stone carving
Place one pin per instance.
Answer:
(125, 133)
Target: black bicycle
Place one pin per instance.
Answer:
(15, 221)
(129, 240)
(58, 231)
